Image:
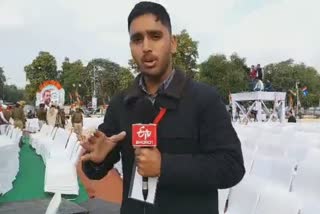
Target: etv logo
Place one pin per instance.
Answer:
(144, 133)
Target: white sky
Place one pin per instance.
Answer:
(263, 31)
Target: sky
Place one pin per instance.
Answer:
(262, 31)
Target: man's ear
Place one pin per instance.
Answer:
(174, 44)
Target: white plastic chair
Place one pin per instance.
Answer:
(276, 200)
(243, 198)
(58, 144)
(223, 195)
(278, 171)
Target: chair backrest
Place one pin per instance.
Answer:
(244, 197)
(277, 200)
(307, 180)
(248, 158)
(9, 131)
(279, 171)
(71, 145)
(270, 148)
(3, 129)
(16, 135)
(223, 195)
(76, 154)
(297, 151)
(61, 137)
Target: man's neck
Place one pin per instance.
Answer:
(153, 84)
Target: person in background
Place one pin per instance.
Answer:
(259, 72)
(52, 115)
(252, 77)
(291, 117)
(5, 116)
(42, 115)
(63, 117)
(18, 116)
(77, 121)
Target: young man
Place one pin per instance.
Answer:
(198, 150)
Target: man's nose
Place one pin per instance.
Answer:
(146, 45)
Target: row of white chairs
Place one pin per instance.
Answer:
(287, 168)
(9, 156)
(60, 151)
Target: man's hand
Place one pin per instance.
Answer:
(148, 161)
(99, 146)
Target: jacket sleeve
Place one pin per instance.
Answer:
(109, 127)
(218, 165)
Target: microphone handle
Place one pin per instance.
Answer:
(145, 188)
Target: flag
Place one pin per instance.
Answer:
(305, 91)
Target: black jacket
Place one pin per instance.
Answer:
(200, 149)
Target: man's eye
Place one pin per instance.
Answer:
(137, 40)
(156, 36)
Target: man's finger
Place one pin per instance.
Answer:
(86, 157)
(137, 151)
(87, 146)
(141, 172)
(118, 137)
(98, 134)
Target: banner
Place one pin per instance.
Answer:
(50, 93)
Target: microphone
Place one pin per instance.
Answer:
(144, 113)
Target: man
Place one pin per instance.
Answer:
(291, 117)
(42, 115)
(259, 72)
(46, 98)
(77, 121)
(52, 115)
(198, 150)
(18, 116)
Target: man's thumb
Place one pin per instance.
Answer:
(118, 137)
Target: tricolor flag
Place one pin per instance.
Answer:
(305, 91)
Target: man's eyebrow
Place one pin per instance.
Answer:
(154, 32)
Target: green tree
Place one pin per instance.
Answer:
(284, 75)
(227, 75)
(107, 77)
(187, 54)
(13, 94)
(2, 82)
(125, 79)
(75, 78)
(43, 67)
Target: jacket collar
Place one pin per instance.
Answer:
(167, 98)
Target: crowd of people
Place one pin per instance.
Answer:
(256, 79)
(53, 115)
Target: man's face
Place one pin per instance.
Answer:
(151, 45)
(47, 97)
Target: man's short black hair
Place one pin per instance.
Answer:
(146, 7)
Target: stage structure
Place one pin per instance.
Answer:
(258, 99)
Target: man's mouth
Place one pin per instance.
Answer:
(149, 63)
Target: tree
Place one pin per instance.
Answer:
(2, 82)
(227, 75)
(43, 67)
(13, 94)
(187, 54)
(125, 79)
(75, 78)
(284, 75)
(108, 75)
